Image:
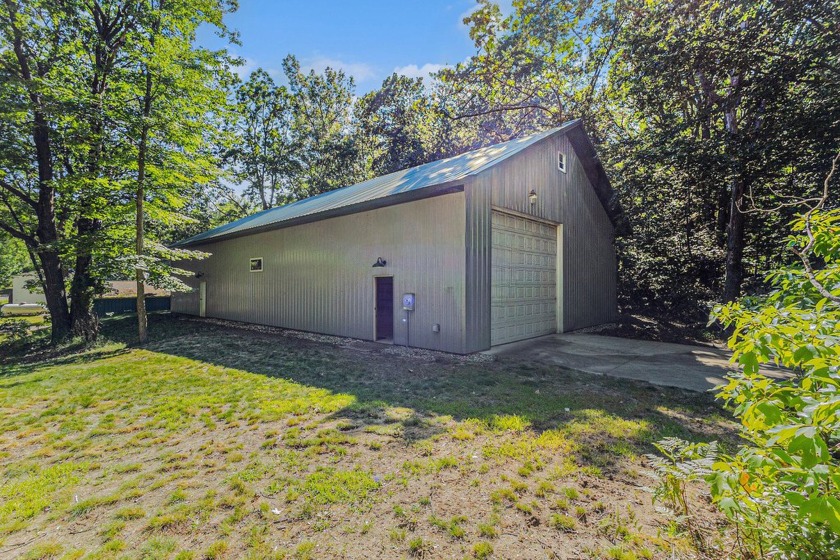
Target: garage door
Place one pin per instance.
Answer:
(524, 279)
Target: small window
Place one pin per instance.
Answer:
(256, 264)
(561, 161)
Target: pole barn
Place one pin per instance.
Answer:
(496, 245)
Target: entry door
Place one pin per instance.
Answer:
(524, 279)
(385, 308)
(202, 299)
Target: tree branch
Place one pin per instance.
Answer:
(496, 110)
(19, 193)
(804, 253)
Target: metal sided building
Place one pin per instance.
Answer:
(496, 245)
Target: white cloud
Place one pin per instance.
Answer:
(244, 70)
(249, 65)
(359, 70)
(414, 71)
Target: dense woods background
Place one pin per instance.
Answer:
(120, 135)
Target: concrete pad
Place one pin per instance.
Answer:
(696, 368)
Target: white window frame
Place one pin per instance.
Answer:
(561, 161)
(251, 264)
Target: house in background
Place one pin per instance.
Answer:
(496, 245)
(26, 289)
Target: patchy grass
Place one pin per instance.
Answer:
(20, 329)
(218, 443)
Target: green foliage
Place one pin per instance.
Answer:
(722, 108)
(262, 154)
(695, 108)
(91, 90)
(322, 130)
(13, 258)
(15, 330)
(782, 487)
(396, 125)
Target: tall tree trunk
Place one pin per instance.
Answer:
(55, 295)
(734, 269)
(46, 235)
(142, 321)
(83, 321)
(735, 243)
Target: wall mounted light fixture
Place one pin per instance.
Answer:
(199, 274)
(379, 262)
(532, 196)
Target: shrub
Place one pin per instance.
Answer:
(782, 488)
(681, 462)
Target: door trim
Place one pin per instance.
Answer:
(558, 280)
(503, 210)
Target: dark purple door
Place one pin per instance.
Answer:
(385, 308)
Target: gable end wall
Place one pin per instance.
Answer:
(589, 269)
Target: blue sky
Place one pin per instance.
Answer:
(368, 39)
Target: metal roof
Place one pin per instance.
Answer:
(436, 173)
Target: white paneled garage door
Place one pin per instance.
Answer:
(524, 279)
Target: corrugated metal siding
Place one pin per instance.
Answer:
(589, 258)
(589, 263)
(318, 276)
(186, 302)
(478, 249)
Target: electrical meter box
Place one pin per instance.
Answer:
(408, 302)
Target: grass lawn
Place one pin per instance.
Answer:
(213, 442)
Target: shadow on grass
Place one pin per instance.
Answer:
(606, 417)
(609, 414)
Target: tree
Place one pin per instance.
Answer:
(323, 130)
(544, 64)
(68, 155)
(42, 41)
(171, 132)
(729, 96)
(780, 487)
(264, 152)
(394, 124)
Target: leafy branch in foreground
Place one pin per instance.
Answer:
(782, 487)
